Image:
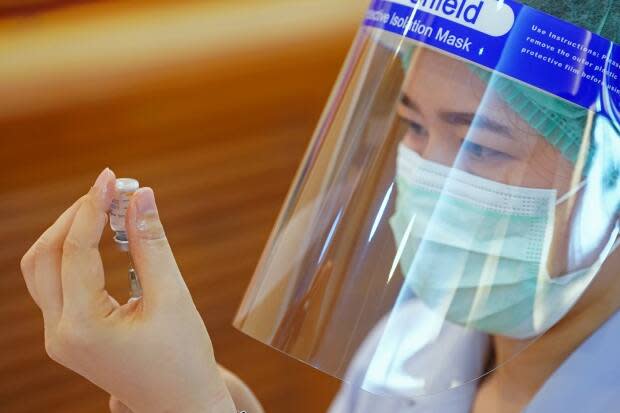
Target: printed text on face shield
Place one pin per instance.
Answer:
(467, 10)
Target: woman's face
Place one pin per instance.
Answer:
(452, 119)
(449, 122)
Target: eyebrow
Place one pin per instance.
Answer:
(408, 102)
(463, 118)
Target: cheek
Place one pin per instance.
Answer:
(508, 172)
(546, 168)
(526, 175)
(414, 142)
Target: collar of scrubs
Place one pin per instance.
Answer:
(589, 380)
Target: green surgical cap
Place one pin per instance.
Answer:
(560, 122)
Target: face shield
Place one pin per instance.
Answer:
(462, 184)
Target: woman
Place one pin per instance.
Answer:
(507, 276)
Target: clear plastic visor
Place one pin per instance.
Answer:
(444, 218)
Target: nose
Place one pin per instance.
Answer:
(435, 147)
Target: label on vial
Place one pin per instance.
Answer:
(118, 210)
(513, 39)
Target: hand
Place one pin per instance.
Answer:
(153, 354)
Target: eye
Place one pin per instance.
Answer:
(481, 152)
(415, 127)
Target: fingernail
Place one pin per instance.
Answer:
(145, 202)
(147, 217)
(101, 184)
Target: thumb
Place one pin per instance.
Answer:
(151, 254)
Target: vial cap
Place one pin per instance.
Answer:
(127, 185)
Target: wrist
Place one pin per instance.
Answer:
(242, 396)
(216, 401)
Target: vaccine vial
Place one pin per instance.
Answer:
(125, 188)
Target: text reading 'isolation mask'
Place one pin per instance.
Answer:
(462, 185)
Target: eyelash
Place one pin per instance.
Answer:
(482, 152)
(415, 127)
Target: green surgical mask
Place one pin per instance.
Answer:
(472, 249)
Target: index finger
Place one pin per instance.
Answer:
(82, 268)
(41, 264)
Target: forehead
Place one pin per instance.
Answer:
(439, 82)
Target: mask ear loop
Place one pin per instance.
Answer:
(571, 192)
(617, 242)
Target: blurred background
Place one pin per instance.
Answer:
(211, 103)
